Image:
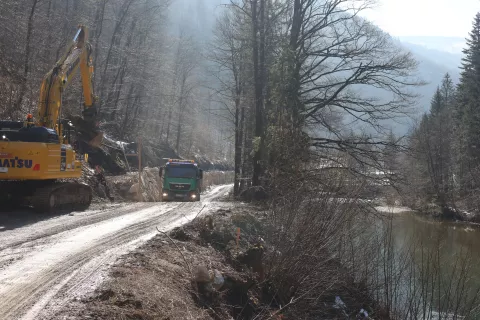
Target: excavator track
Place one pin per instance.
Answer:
(29, 174)
(45, 196)
(60, 196)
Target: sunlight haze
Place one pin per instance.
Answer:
(444, 18)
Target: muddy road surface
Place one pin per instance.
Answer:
(47, 261)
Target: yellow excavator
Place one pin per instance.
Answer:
(38, 165)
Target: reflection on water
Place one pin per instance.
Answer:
(444, 260)
(454, 240)
(453, 236)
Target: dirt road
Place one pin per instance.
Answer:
(45, 263)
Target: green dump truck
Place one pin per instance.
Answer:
(181, 180)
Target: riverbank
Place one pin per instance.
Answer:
(465, 210)
(216, 267)
(459, 212)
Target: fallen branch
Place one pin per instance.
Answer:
(199, 212)
(294, 300)
(183, 215)
(183, 256)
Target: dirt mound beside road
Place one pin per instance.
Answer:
(161, 280)
(207, 270)
(125, 187)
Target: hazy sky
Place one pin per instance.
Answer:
(449, 18)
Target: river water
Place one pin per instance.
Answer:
(437, 265)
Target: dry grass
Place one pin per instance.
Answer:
(152, 283)
(155, 282)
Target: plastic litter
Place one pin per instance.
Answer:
(218, 280)
(363, 314)
(339, 304)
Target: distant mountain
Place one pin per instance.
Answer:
(452, 45)
(436, 57)
(445, 60)
(433, 65)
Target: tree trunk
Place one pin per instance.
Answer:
(170, 105)
(99, 16)
(26, 60)
(116, 32)
(238, 148)
(258, 64)
(180, 115)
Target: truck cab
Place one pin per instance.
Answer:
(181, 180)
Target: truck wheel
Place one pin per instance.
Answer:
(198, 196)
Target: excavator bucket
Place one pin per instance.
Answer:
(88, 132)
(96, 141)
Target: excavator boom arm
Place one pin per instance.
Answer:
(78, 56)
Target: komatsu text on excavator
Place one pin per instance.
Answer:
(37, 162)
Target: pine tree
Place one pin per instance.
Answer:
(432, 144)
(448, 90)
(437, 103)
(468, 109)
(445, 124)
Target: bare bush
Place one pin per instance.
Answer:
(328, 245)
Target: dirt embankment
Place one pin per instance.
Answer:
(124, 188)
(47, 261)
(212, 268)
(117, 157)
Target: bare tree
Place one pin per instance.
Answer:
(232, 73)
(133, 62)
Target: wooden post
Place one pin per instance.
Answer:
(125, 157)
(160, 185)
(140, 197)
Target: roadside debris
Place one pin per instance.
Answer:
(362, 314)
(339, 304)
(100, 178)
(207, 270)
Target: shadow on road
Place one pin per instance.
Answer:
(16, 218)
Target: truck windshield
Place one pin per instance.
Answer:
(181, 172)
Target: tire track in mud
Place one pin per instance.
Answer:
(82, 220)
(42, 293)
(21, 299)
(14, 250)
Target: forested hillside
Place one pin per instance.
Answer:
(149, 64)
(311, 103)
(444, 165)
(155, 72)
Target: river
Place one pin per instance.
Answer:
(437, 265)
